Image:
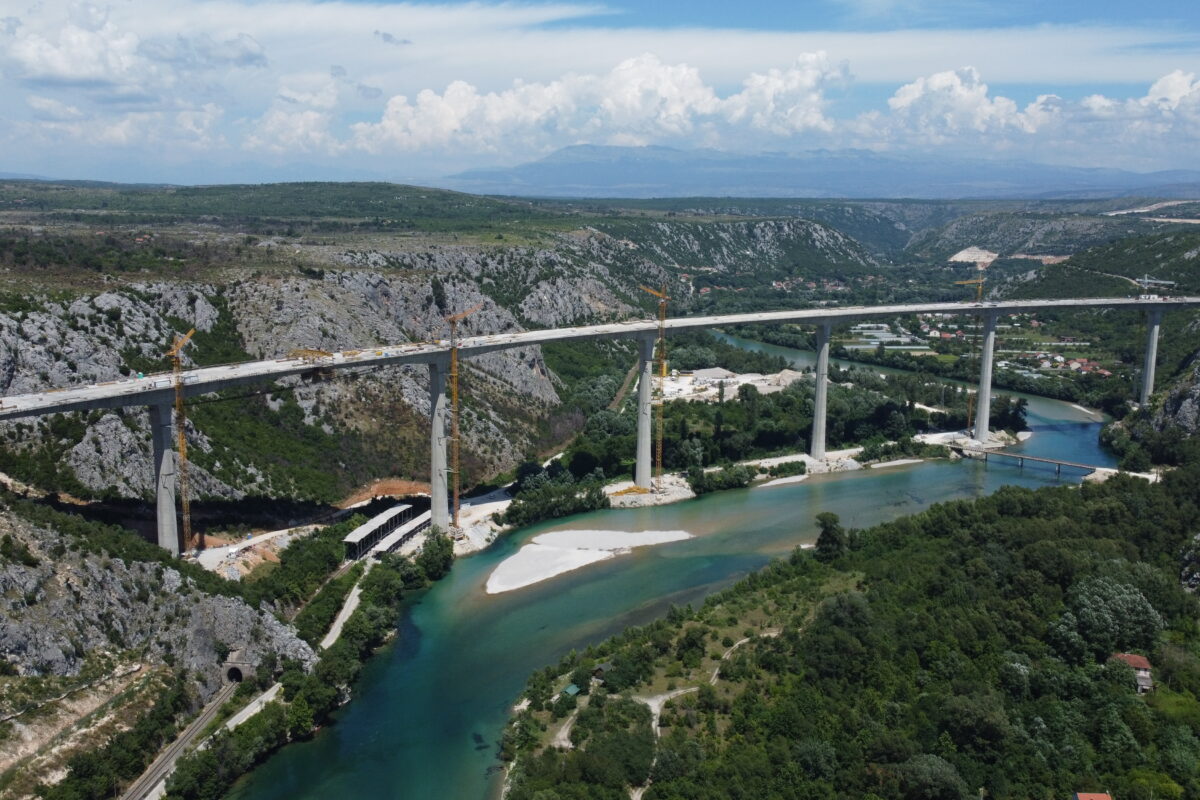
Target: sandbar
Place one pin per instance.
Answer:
(555, 553)
(899, 462)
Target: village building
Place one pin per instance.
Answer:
(1141, 670)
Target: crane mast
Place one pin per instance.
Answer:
(185, 502)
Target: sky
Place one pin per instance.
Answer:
(208, 91)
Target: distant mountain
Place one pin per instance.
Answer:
(20, 176)
(594, 171)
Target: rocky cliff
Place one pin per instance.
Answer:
(1180, 407)
(58, 605)
(373, 293)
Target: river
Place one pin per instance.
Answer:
(429, 710)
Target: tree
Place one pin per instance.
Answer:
(436, 555)
(831, 543)
(299, 718)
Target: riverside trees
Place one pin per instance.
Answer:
(966, 646)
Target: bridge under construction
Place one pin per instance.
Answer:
(161, 392)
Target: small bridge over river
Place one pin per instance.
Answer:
(157, 392)
(978, 452)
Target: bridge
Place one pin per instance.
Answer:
(157, 392)
(1021, 458)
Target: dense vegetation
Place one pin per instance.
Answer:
(316, 617)
(95, 774)
(967, 646)
(544, 493)
(750, 424)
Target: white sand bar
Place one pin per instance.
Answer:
(899, 462)
(554, 553)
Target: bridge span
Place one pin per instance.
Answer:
(157, 392)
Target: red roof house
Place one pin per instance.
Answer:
(1141, 670)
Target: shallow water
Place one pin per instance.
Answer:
(429, 710)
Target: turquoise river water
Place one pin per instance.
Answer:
(429, 710)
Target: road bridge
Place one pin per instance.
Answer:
(157, 392)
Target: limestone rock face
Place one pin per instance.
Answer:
(71, 604)
(1181, 407)
(366, 298)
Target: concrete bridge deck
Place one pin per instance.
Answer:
(157, 392)
(159, 389)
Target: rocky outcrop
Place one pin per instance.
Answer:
(1180, 407)
(71, 604)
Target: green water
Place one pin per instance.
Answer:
(429, 710)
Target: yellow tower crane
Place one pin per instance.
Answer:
(454, 319)
(181, 436)
(660, 389)
(977, 283)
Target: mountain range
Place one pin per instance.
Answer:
(606, 171)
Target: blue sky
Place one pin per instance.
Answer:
(888, 14)
(207, 90)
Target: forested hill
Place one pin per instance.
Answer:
(961, 652)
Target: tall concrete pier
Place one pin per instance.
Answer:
(643, 468)
(983, 410)
(1153, 323)
(439, 495)
(816, 447)
(162, 432)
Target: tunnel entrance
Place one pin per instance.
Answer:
(234, 675)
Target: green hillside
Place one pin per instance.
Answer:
(961, 652)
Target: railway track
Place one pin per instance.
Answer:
(162, 766)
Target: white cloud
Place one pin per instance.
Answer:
(639, 101)
(284, 132)
(786, 101)
(47, 108)
(948, 103)
(482, 82)
(315, 89)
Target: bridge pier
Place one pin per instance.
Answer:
(162, 430)
(1153, 323)
(439, 496)
(816, 447)
(983, 410)
(643, 468)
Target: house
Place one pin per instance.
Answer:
(600, 670)
(1091, 796)
(571, 690)
(1141, 670)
